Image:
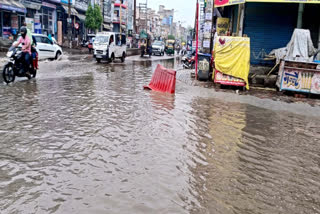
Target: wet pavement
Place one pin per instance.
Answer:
(86, 138)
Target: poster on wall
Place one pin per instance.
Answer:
(37, 28)
(222, 26)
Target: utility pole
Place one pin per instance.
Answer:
(134, 17)
(212, 24)
(69, 24)
(102, 12)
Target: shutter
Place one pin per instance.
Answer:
(269, 26)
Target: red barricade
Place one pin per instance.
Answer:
(163, 80)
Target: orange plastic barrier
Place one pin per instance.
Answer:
(163, 80)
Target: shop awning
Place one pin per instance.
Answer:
(74, 12)
(107, 26)
(222, 3)
(81, 17)
(12, 6)
(32, 5)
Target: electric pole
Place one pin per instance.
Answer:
(69, 24)
(134, 17)
(212, 25)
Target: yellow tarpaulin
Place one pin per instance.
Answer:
(232, 56)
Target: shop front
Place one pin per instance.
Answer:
(12, 16)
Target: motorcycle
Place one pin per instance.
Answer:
(15, 66)
(189, 61)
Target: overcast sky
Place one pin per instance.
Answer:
(185, 9)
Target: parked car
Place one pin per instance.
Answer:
(46, 48)
(109, 46)
(158, 48)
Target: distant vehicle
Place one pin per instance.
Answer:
(89, 44)
(109, 46)
(170, 47)
(46, 48)
(158, 48)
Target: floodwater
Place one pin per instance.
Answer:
(86, 138)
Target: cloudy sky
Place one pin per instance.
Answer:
(185, 9)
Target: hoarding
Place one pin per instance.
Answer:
(221, 3)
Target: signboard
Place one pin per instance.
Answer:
(222, 26)
(82, 4)
(206, 43)
(287, 1)
(37, 28)
(300, 81)
(194, 45)
(207, 27)
(224, 79)
(208, 16)
(46, 4)
(66, 1)
(12, 8)
(76, 26)
(30, 24)
(108, 11)
(221, 3)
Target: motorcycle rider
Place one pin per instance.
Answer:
(26, 49)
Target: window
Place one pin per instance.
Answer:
(118, 41)
(38, 39)
(45, 40)
(123, 40)
(111, 40)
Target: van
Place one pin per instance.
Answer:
(110, 46)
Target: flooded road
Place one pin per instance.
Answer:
(86, 138)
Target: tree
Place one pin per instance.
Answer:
(171, 37)
(93, 17)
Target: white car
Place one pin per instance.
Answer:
(158, 48)
(46, 48)
(109, 46)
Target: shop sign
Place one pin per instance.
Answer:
(37, 28)
(66, 1)
(46, 4)
(12, 8)
(225, 79)
(287, 1)
(33, 1)
(81, 4)
(55, 1)
(222, 26)
(221, 3)
(300, 81)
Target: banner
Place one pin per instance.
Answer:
(222, 3)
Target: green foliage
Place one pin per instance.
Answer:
(171, 37)
(93, 17)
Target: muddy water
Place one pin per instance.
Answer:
(88, 139)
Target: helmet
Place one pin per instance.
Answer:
(23, 31)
